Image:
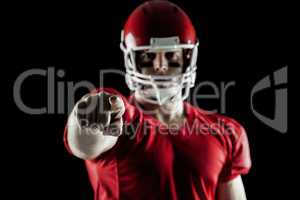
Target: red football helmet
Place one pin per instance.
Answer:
(154, 26)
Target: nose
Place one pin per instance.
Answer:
(160, 63)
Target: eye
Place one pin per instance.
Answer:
(173, 56)
(174, 59)
(147, 56)
(145, 59)
(169, 55)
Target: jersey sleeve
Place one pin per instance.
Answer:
(238, 159)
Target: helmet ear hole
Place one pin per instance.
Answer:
(187, 58)
(131, 59)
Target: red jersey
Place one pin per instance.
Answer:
(151, 161)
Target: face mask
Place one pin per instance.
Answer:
(160, 95)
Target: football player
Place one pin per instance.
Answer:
(154, 144)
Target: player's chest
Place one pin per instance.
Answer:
(200, 157)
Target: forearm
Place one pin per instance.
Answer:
(231, 190)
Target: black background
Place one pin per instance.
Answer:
(241, 43)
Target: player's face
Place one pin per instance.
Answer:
(161, 62)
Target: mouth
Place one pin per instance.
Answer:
(158, 86)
